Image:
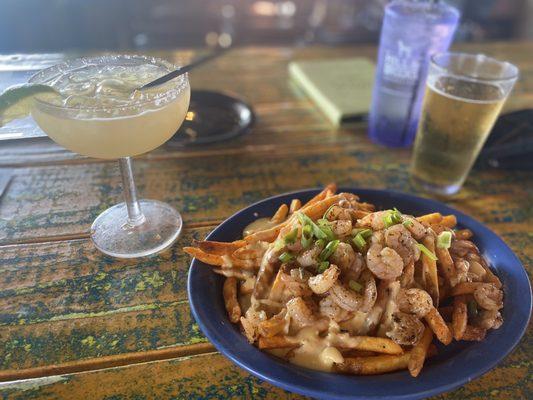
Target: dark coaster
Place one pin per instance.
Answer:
(213, 117)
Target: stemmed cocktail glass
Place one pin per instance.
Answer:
(99, 114)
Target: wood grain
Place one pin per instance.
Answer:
(65, 308)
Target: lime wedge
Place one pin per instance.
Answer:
(16, 101)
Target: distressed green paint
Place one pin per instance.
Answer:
(63, 301)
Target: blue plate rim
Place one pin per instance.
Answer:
(302, 389)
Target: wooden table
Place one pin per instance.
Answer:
(77, 324)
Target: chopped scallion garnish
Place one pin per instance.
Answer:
(286, 257)
(444, 240)
(307, 236)
(321, 243)
(427, 252)
(355, 286)
(328, 250)
(359, 241)
(324, 265)
(392, 218)
(279, 244)
(408, 223)
(326, 214)
(305, 220)
(291, 236)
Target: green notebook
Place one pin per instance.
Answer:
(341, 88)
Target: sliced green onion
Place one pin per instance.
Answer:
(320, 243)
(286, 257)
(328, 250)
(355, 286)
(279, 244)
(324, 265)
(427, 252)
(444, 240)
(305, 220)
(328, 232)
(365, 232)
(359, 241)
(392, 218)
(326, 214)
(291, 236)
(307, 236)
(408, 223)
(322, 222)
(472, 309)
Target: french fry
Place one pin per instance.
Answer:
(408, 274)
(474, 333)
(367, 343)
(438, 326)
(466, 288)
(249, 253)
(272, 326)
(447, 266)
(373, 365)
(296, 204)
(316, 210)
(433, 218)
(267, 235)
(419, 352)
(232, 272)
(449, 221)
(219, 248)
(280, 214)
(229, 292)
(218, 260)
(277, 342)
(459, 317)
(429, 268)
(463, 234)
(330, 188)
(351, 353)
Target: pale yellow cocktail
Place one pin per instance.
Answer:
(97, 111)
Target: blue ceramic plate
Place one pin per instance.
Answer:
(455, 364)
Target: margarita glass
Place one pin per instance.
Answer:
(100, 114)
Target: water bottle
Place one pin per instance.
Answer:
(412, 31)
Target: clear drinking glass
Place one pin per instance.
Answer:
(464, 95)
(100, 115)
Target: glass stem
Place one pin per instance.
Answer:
(135, 215)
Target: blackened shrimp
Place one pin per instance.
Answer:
(489, 297)
(351, 300)
(398, 238)
(414, 301)
(321, 283)
(406, 329)
(384, 262)
(329, 308)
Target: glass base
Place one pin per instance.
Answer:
(114, 235)
(436, 189)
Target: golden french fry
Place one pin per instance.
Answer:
(229, 291)
(218, 260)
(219, 248)
(316, 210)
(429, 268)
(272, 326)
(277, 342)
(463, 234)
(249, 253)
(296, 204)
(449, 221)
(373, 365)
(351, 353)
(367, 343)
(433, 218)
(438, 326)
(280, 214)
(419, 352)
(447, 266)
(233, 273)
(474, 333)
(330, 188)
(267, 235)
(459, 317)
(408, 274)
(466, 288)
